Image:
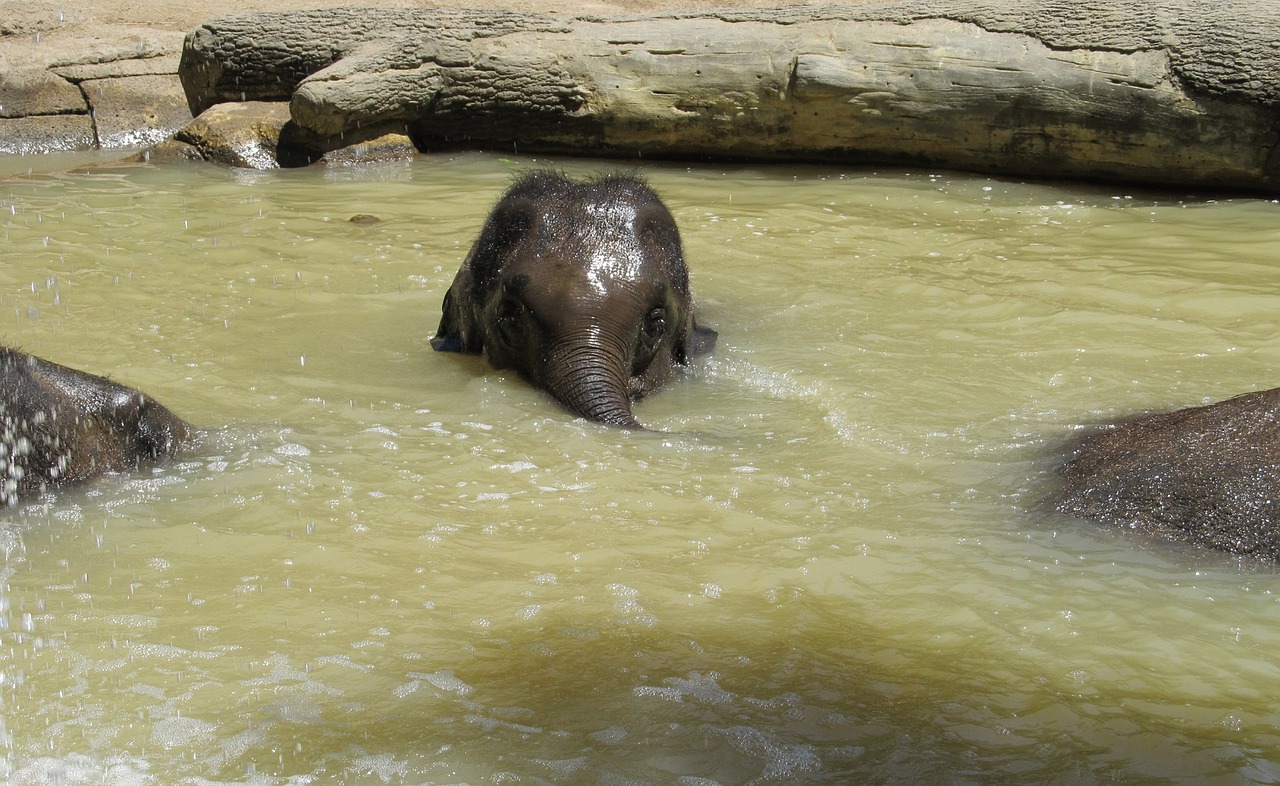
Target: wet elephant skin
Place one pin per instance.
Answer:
(581, 287)
(1205, 475)
(60, 426)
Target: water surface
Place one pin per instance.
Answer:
(387, 565)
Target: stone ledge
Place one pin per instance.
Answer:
(36, 91)
(161, 65)
(1179, 93)
(119, 81)
(46, 134)
(1140, 93)
(136, 111)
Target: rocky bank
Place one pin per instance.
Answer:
(1181, 93)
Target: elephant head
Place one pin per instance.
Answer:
(581, 287)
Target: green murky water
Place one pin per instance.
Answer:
(390, 566)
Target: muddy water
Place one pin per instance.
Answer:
(386, 565)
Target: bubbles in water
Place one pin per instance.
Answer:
(610, 736)
(181, 732)
(386, 767)
(782, 760)
(699, 687)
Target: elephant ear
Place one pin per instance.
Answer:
(702, 340)
(456, 332)
(695, 340)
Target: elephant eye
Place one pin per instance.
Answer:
(655, 323)
(652, 330)
(509, 320)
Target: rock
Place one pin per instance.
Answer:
(167, 152)
(261, 135)
(30, 17)
(1182, 94)
(135, 111)
(112, 103)
(373, 142)
(391, 146)
(67, 86)
(166, 65)
(46, 134)
(243, 134)
(35, 91)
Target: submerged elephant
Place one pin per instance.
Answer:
(60, 426)
(581, 287)
(1207, 475)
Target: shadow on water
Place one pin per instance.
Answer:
(762, 699)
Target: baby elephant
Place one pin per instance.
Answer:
(59, 426)
(1207, 475)
(581, 287)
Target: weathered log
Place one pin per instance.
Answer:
(1183, 92)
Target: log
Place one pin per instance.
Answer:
(1176, 93)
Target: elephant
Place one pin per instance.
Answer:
(1207, 475)
(581, 287)
(62, 427)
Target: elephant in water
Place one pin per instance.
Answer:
(60, 426)
(1206, 475)
(581, 287)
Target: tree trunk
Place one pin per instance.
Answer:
(1183, 92)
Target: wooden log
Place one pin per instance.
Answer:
(1179, 93)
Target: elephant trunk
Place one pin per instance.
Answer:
(591, 380)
